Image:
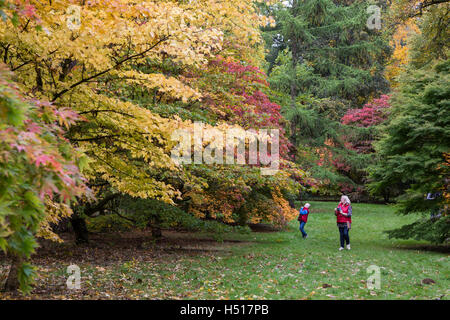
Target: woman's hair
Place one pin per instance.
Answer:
(346, 199)
(307, 205)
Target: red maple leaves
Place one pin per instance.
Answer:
(371, 114)
(254, 109)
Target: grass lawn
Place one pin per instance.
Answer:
(277, 265)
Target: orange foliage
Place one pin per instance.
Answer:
(286, 212)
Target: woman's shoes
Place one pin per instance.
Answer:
(348, 247)
(340, 249)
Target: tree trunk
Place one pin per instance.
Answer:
(296, 58)
(12, 282)
(80, 229)
(62, 226)
(242, 216)
(156, 228)
(386, 196)
(156, 232)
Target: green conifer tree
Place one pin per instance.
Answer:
(323, 60)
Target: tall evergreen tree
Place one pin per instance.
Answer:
(414, 154)
(322, 61)
(332, 52)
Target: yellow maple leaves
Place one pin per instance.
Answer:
(167, 85)
(82, 51)
(84, 54)
(400, 44)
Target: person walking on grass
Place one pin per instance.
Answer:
(303, 218)
(344, 221)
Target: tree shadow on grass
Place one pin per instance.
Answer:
(263, 227)
(111, 248)
(426, 247)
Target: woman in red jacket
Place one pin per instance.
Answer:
(344, 219)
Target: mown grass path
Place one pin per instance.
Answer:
(284, 266)
(278, 265)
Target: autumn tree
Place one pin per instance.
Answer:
(401, 44)
(39, 176)
(109, 69)
(235, 95)
(86, 65)
(39, 169)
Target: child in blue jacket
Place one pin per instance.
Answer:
(303, 218)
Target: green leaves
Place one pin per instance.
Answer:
(330, 39)
(33, 201)
(22, 244)
(26, 274)
(412, 152)
(435, 231)
(83, 162)
(3, 243)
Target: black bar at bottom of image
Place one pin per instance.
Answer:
(215, 309)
